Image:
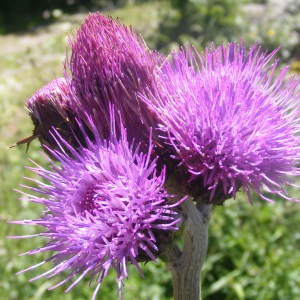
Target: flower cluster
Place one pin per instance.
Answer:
(109, 65)
(219, 121)
(106, 206)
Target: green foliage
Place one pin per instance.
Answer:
(23, 14)
(199, 22)
(252, 252)
(18, 15)
(274, 26)
(270, 23)
(253, 249)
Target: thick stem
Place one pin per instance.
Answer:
(186, 264)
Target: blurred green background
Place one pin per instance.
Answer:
(253, 250)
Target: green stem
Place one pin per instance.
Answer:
(186, 264)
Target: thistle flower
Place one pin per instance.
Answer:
(232, 120)
(109, 64)
(104, 208)
(50, 108)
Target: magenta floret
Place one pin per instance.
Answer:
(109, 64)
(103, 208)
(232, 119)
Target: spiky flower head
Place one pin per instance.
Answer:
(50, 107)
(109, 64)
(231, 118)
(104, 209)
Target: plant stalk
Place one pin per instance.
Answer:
(186, 264)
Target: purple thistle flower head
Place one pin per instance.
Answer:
(109, 64)
(104, 209)
(232, 120)
(50, 108)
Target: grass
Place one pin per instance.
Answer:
(253, 249)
